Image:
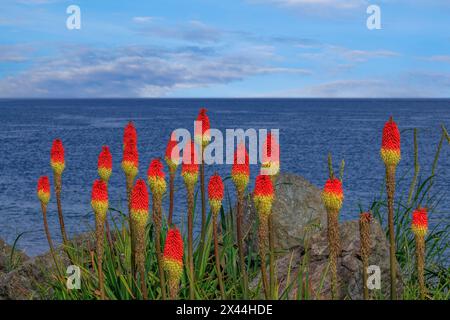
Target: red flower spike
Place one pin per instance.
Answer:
(104, 164)
(270, 156)
(240, 171)
(129, 134)
(172, 154)
(130, 160)
(333, 194)
(139, 202)
(173, 255)
(43, 189)
(201, 135)
(420, 221)
(57, 156)
(189, 168)
(155, 176)
(215, 193)
(263, 194)
(390, 143)
(99, 197)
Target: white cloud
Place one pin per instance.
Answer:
(439, 58)
(135, 72)
(144, 19)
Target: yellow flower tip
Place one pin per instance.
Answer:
(99, 207)
(202, 140)
(139, 217)
(215, 205)
(44, 197)
(263, 204)
(173, 268)
(190, 178)
(157, 185)
(171, 164)
(58, 167)
(129, 168)
(332, 201)
(104, 173)
(420, 231)
(270, 168)
(390, 157)
(240, 180)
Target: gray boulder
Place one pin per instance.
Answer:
(297, 211)
(309, 264)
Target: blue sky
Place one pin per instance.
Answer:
(234, 48)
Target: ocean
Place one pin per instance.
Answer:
(309, 129)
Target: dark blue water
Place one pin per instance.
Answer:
(309, 129)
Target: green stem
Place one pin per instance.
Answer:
(157, 218)
(217, 256)
(190, 191)
(239, 215)
(390, 190)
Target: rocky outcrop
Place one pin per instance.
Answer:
(297, 211)
(27, 278)
(308, 265)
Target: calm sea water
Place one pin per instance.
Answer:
(309, 129)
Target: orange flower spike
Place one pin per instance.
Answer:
(139, 203)
(202, 137)
(240, 171)
(57, 157)
(215, 193)
(271, 156)
(130, 160)
(156, 178)
(333, 195)
(43, 190)
(129, 134)
(263, 194)
(189, 168)
(172, 155)
(173, 255)
(99, 198)
(104, 164)
(390, 144)
(420, 222)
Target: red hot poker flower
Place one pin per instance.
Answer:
(201, 135)
(104, 164)
(333, 194)
(420, 221)
(390, 143)
(263, 194)
(99, 197)
(57, 156)
(215, 193)
(172, 154)
(173, 255)
(240, 171)
(130, 160)
(43, 190)
(129, 134)
(270, 156)
(189, 168)
(139, 202)
(155, 176)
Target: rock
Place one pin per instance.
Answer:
(8, 261)
(312, 260)
(30, 276)
(297, 210)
